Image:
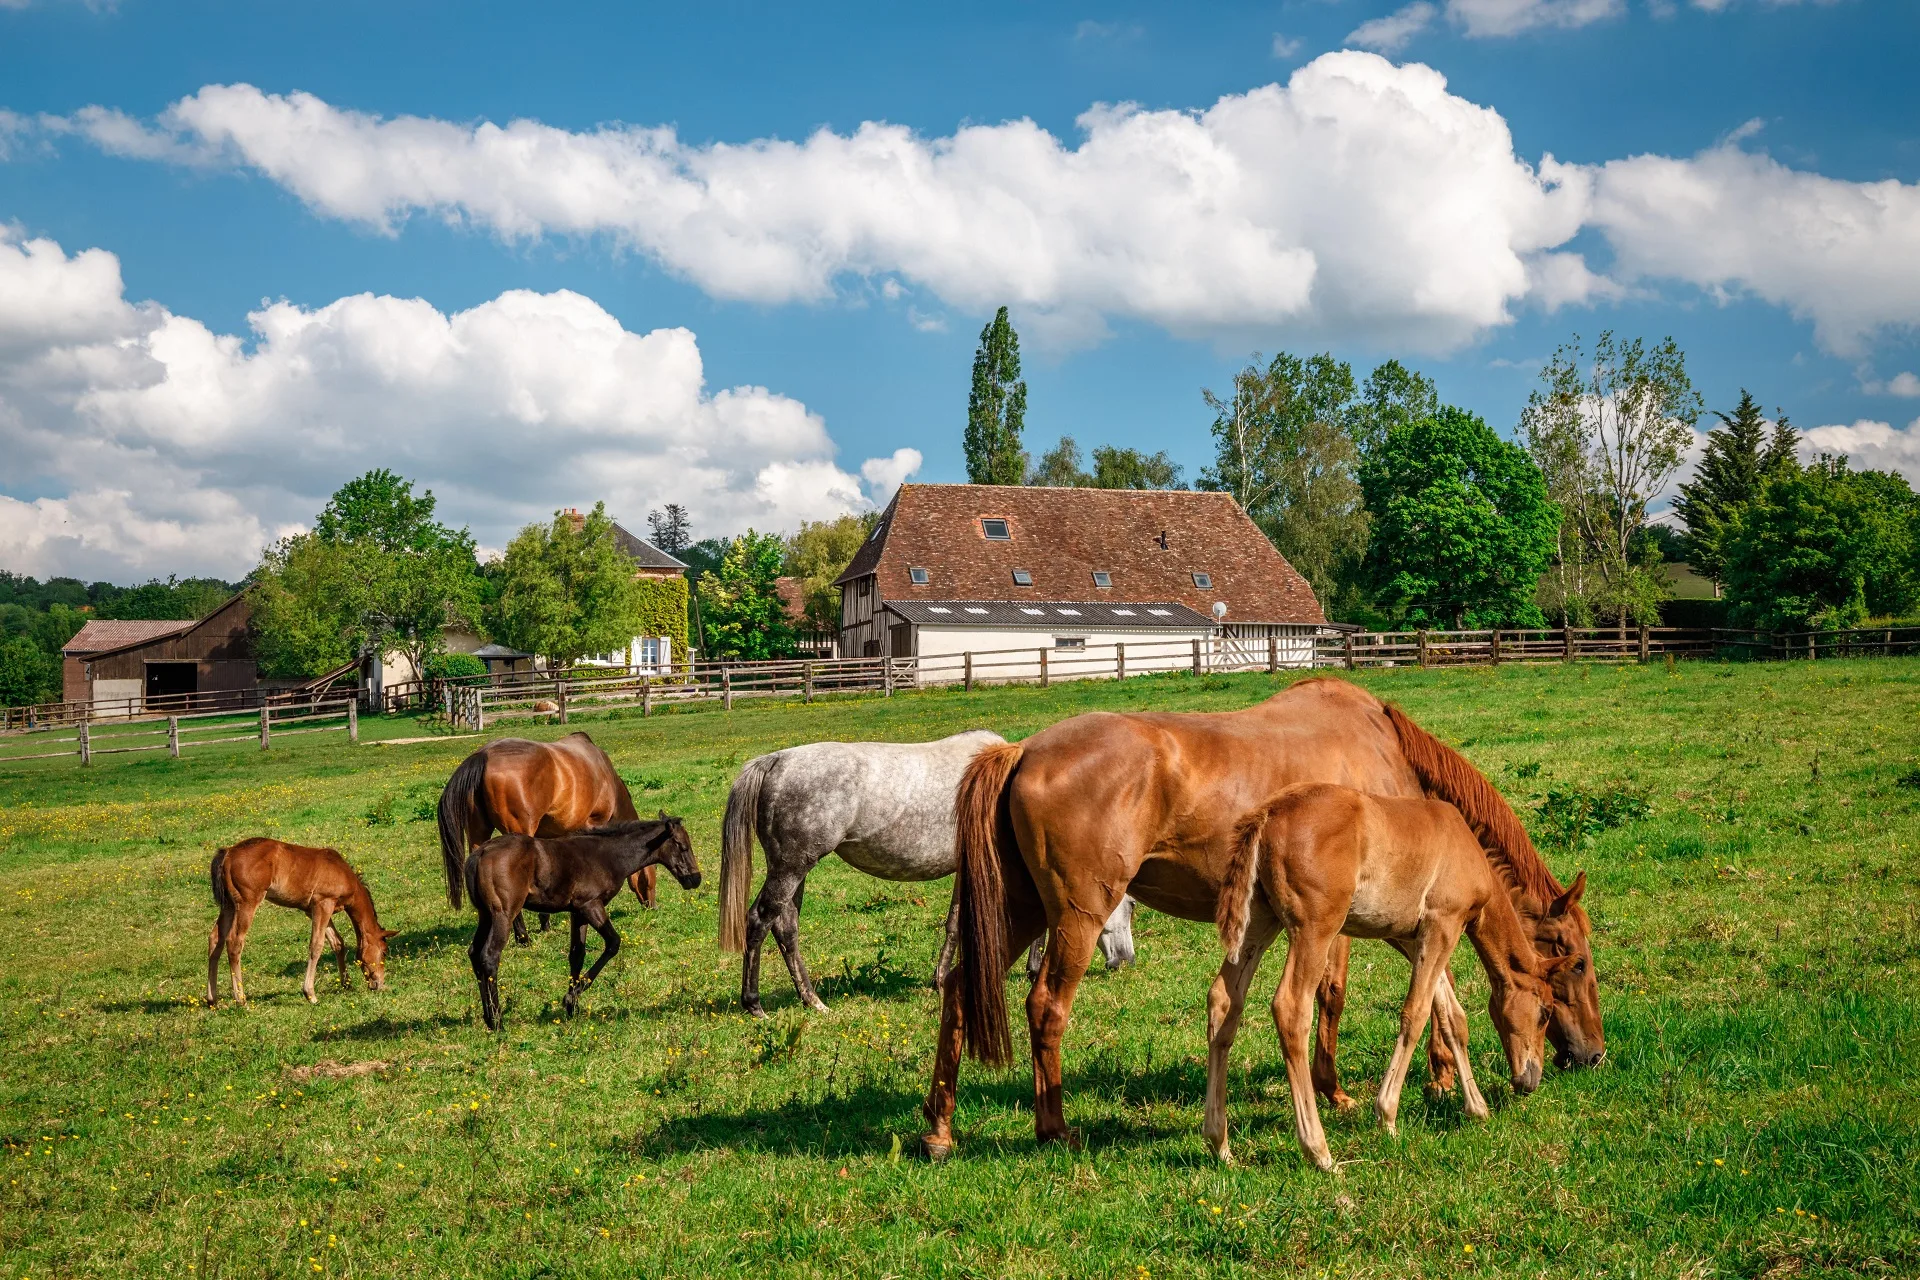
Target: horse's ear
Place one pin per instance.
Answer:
(389, 933)
(664, 817)
(1565, 902)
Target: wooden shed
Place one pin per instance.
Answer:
(154, 665)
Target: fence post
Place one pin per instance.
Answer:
(1569, 644)
(1348, 647)
(1273, 654)
(479, 709)
(86, 744)
(266, 729)
(173, 736)
(1493, 647)
(353, 720)
(969, 657)
(1119, 661)
(1043, 668)
(1644, 649)
(560, 687)
(886, 677)
(646, 696)
(1421, 636)
(1196, 655)
(807, 680)
(726, 688)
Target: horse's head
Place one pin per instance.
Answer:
(1521, 1006)
(1564, 932)
(676, 853)
(373, 955)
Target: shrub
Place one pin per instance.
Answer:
(454, 666)
(1570, 815)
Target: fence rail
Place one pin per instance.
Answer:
(46, 715)
(184, 731)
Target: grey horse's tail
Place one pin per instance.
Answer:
(736, 852)
(457, 804)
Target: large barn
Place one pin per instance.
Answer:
(172, 665)
(957, 568)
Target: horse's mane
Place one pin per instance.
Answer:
(1448, 775)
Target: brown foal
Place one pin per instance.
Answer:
(1323, 861)
(316, 881)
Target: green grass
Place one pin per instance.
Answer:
(1757, 918)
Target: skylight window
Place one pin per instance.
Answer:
(1021, 578)
(1071, 613)
(975, 609)
(878, 529)
(1161, 613)
(918, 577)
(938, 608)
(1123, 613)
(1038, 613)
(995, 530)
(1101, 578)
(1203, 580)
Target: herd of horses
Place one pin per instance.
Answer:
(1321, 813)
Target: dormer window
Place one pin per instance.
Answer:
(1021, 578)
(994, 530)
(917, 576)
(1102, 579)
(1204, 581)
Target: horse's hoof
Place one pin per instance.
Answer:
(1343, 1101)
(818, 1005)
(935, 1150)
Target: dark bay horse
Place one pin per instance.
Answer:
(532, 789)
(579, 874)
(1053, 830)
(1323, 862)
(316, 881)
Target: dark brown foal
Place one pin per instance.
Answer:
(316, 881)
(579, 874)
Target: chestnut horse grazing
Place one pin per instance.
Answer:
(1321, 861)
(1053, 830)
(316, 881)
(531, 789)
(579, 874)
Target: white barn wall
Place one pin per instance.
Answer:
(1161, 649)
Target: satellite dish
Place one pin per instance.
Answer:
(1219, 610)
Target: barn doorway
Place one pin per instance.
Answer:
(172, 681)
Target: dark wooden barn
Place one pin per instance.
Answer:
(172, 666)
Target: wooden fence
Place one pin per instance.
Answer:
(181, 732)
(46, 715)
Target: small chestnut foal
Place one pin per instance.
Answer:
(1320, 861)
(316, 881)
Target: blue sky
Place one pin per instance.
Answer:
(128, 457)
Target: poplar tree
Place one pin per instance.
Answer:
(996, 407)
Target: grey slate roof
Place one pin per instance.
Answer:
(1052, 615)
(644, 553)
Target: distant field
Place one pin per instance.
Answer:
(1758, 916)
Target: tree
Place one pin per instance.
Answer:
(307, 608)
(996, 407)
(28, 675)
(817, 554)
(1609, 434)
(1817, 545)
(672, 530)
(1283, 447)
(1462, 525)
(1741, 455)
(380, 508)
(1060, 467)
(174, 598)
(1392, 396)
(1115, 468)
(740, 606)
(567, 591)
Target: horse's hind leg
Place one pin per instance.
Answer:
(1442, 1059)
(1307, 948)
(596, 915)
(786, 931)
(489, 941)
(216, 943)
(1070, 946)
(1332, 999)
(237, 943)
(1450, 1024)
(1224, 1004)
(948, 942)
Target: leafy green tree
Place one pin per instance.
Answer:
(174, 598)
(1741, 455)
(817, 554)
(567, 591)
(1115, 468)
(740, 606)
(1393, 395)
(1283, 447)
(1060, 467)
(28, 675)
(1816, 544)
(671, 529)
(380, 508)
(306, 607)
(996, 408)
(1462, 525)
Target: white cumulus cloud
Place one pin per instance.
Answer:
(1394, 31)
(1360, 198)
(1869, 446)
(173, 448)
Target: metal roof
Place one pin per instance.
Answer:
(101, 635)
(1051, 615)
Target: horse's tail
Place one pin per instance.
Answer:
(736, 852)
(458, 803)
(1235, 905)
(217, 872)
(980, 814)
(1447, 775)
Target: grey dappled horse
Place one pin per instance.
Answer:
(884, 807)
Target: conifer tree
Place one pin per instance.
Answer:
(1741, 455)
(996, 407)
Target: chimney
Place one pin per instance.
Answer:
(574, 518)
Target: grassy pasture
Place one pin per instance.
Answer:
(1757, 913)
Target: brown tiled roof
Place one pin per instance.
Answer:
(1062, 536)
(100, 635)
(793, 594)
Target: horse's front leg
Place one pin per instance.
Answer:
(595, 914)
(576, 957)
(322, 913)
(520, 935)
(644, 884)
(339, 945)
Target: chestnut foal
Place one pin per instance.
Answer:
(579, 874)
(1321, 861)
(316, 881)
